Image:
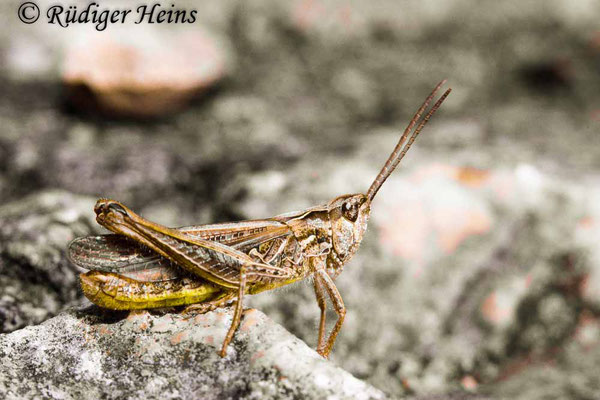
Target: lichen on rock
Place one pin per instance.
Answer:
(90, 354)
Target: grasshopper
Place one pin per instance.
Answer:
(145, 265)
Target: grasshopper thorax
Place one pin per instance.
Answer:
(349, 215)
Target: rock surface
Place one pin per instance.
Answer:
(465, 288)
(36, 280)
(89, 355)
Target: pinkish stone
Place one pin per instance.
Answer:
(145, 75)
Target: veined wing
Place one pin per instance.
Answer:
(209, 259)
(242, 235)
(120, 254)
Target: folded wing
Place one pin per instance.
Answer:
(122, 255)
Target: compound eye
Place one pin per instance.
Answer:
(117, 208)
(350, 211)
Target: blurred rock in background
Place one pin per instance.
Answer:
(480, 272)
(149, 74)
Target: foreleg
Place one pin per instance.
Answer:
(338, 306)
(323, 282)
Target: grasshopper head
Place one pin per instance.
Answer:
(349, 215)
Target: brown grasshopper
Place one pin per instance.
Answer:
(147, 265)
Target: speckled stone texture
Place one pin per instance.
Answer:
(480, 270)
(497, 275)
(90, 355)
(36, 280)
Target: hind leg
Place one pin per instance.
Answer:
(237, 314)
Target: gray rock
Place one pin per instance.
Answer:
(449, 289)
(86, 354)
(574, 376)
(36, 280)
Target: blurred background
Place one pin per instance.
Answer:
(480, 271)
